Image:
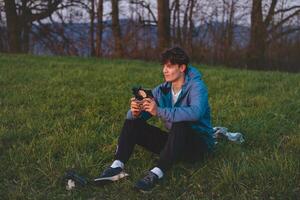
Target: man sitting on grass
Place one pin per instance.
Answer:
(182, 103)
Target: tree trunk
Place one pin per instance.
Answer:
(191, 26)
(1, 36)
(118, 50)
(163, 24)
(26, 38)
(13, 27)
(176, 24)
(92, 27)
(257, 45)
(185, 24)
(99, 28)
(173, 25)
(25, 28)
(229, 33)
(19, 18)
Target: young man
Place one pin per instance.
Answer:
(182, 103)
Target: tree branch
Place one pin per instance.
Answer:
(283, 21)
(51, 7)
(287, 9)
(270, 13)
(147, 6)
(283, 33)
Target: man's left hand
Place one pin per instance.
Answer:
(150, 106)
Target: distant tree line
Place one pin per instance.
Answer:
(256, 34)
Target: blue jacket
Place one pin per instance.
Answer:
(192, 105)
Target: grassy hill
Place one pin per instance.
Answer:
(58, 113)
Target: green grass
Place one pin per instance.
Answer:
(58, 113)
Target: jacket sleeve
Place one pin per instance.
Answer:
(144, 115)
(198, 98)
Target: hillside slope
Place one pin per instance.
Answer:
(58, 113)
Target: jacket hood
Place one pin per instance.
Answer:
(193, 74)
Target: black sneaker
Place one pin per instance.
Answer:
(147, 183)
(110, 175)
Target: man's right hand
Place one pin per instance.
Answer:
(135, 107)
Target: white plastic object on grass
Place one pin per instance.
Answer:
(223, 132)
(70, 185)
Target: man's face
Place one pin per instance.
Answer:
(173, 72)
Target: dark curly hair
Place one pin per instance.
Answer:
(175, 55)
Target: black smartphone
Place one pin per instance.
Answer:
(141, 93)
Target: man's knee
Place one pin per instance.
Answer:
(134, 121)
(133, 124)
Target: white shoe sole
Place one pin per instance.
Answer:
(112, 178)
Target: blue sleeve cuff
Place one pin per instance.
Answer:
(129, 115)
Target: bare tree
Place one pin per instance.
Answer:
(265, 29)
(163, 12)
(57, 38)
(140, 40)
(118, 49)
(176, 27)
(2, 30)
(211, 31)
(20, 15)
(99, 28)
(151, 20)
(95, 11)
(229, 25)
(191, 25)
(227, 37)
(188, 25)
(92, 27)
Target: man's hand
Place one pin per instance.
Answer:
(135, 107)
(150, 106)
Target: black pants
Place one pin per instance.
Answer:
(181, 143)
